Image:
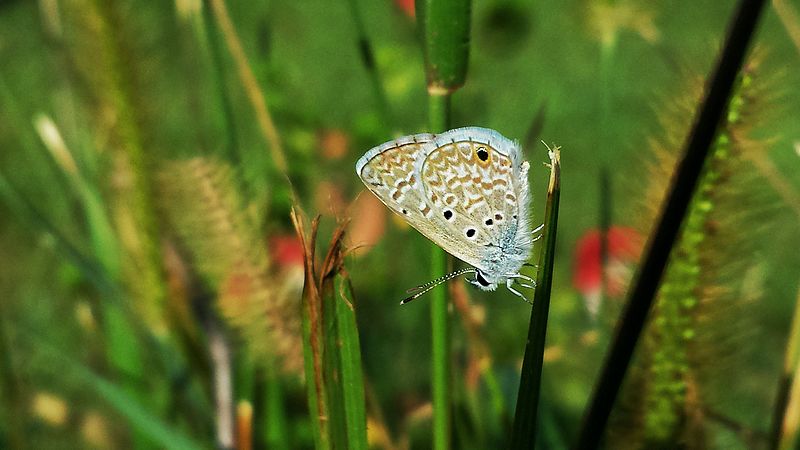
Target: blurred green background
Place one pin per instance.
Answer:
(127, 138)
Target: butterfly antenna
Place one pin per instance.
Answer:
(424, 288)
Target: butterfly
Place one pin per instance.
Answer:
(467, 191)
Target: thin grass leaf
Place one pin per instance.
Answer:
(209, 40)
(101, 233)
(147, 426)
(10, 386)
(255, 94)
(445, 28)
(333, 352)
(26, 211)
(523, 434)
(342, 355)
(312, 336)
(368, 59)
(332, 368)
(675, 207)
(786, 416)
(350, 356)
(275, 427)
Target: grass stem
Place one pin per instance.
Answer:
(439, 120)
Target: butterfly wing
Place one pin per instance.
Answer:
(475, 183)
(388, 172)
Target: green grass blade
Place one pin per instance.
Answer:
(523, 434)
(350, 363)
(146, 424)
(368, 59)
(439, 118)
(312, 337)
(332, 368)
(275, 430)
(445, 26)
(26, 211)
(785, 418)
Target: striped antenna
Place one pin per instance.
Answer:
(424, 288)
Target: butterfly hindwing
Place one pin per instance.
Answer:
(476, 183)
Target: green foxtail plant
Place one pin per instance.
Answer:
(223, 246)
(670, 398)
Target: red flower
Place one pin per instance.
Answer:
(407, 6)
(624, 248)
(286, 251)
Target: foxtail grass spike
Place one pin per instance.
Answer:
(688, 173)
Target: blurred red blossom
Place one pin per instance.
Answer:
(624, 248)
(407, 6)
(286, 251)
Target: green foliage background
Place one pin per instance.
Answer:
(527, 60)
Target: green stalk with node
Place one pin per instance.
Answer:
(444, 27)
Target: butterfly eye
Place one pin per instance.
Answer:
(481, 280)
(483, 155)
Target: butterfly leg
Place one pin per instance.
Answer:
(536, 230)
(519, 276)
(516, 292)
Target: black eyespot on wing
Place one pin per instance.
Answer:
(489, 222)
(448, 214)
(498, 217)
(470, 232)
(405, 212)
(483, 155)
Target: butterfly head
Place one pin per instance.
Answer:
(483, 281)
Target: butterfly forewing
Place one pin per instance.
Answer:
(388, 171)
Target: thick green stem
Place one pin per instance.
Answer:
(444, 26)
(439, 120)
